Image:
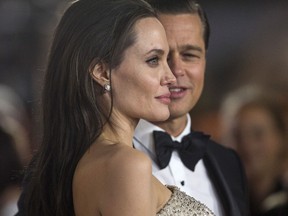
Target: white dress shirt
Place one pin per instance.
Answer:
(196, 184)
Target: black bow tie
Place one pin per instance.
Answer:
(191, 149)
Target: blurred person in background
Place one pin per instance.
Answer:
(15, 121)
(10, 167)
(255, 122)
(14, 148)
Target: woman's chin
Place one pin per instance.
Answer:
(162, 116)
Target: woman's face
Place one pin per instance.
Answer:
(140, 83)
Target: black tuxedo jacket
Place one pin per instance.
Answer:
(227, 175)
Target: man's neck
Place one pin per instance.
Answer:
(174, 127)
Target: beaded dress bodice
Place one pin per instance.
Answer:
(180, 204)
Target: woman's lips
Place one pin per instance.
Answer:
(165, 98)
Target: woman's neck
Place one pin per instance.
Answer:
(119, 130)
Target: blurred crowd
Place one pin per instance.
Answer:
(15, 148)
(245, 103)
(25, 27)
(255, 124)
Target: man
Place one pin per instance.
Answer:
(218, 179)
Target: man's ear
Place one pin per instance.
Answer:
(100, 73)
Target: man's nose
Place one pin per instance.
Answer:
(168, 78)
(176, 66)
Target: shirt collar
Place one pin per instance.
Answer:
(186, 130)
(144, 132)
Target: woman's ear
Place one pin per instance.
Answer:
(100, 73)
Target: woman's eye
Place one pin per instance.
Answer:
(153, 61)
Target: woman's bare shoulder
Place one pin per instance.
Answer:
(118, 173)
(130, 184)
(128, 159)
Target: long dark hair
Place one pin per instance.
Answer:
(90, 31)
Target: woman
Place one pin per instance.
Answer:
(107, 69)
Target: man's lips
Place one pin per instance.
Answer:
(177, 92)
(165, 98)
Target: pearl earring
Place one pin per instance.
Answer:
(107, 87)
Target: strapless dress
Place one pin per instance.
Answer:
(180, 204)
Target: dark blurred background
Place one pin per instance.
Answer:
(248, 46)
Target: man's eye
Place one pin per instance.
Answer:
(190, 55)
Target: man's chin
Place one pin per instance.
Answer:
(175, 114)
(177, 110)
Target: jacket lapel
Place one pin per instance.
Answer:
(228, 202)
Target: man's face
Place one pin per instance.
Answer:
(187, 60)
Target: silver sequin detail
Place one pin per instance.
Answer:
(180, 204)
